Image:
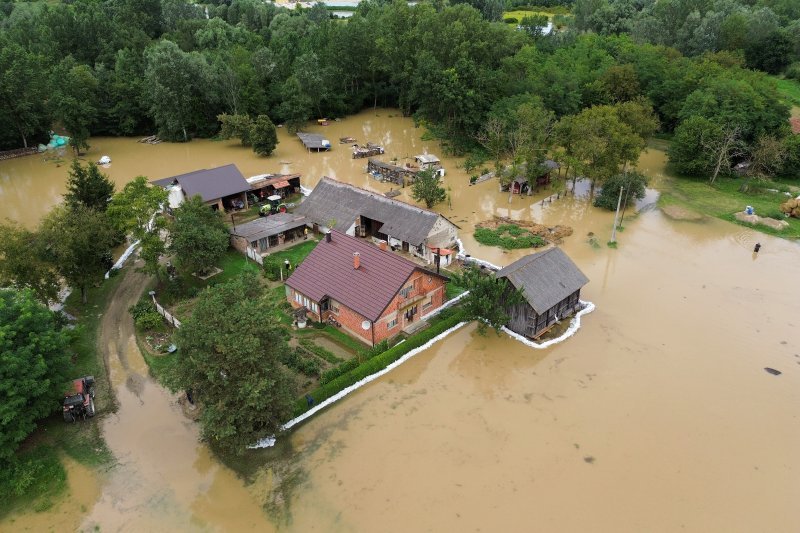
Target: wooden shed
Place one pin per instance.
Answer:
(551, 285)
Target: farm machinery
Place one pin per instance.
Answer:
(79, 403)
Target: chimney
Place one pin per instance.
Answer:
(356, 260)
(328, 237)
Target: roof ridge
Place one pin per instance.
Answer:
(381, 197)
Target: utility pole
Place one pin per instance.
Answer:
(616, 216)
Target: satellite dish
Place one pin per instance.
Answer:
(365, 325)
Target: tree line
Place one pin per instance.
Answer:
(126, 67)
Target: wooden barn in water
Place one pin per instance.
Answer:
(551, 286)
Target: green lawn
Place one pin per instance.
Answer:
(789, 89)
(724, 198)
(295, 254)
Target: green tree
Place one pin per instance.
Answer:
(229, 359)
(33, 362)
(239, 126)
(295, 107)
(427, 188)
(73, 101)
(136, 210)
(198, 236)
(78, 242)
(488, 298)
(22, 263)
(634, 187)
(87, 186)
(23, 90)
(688, 152)
(264, 136)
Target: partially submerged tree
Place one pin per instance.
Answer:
(33, 350)
(632, 184)
(87, 186)
(264, 136)
(78, 242)
(487, 299)
(427, 188)
(136, 211)
(198, 236)
(229, 359)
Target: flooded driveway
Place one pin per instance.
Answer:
(657, 416)
(164, 479)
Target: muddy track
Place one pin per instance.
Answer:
(116, 326)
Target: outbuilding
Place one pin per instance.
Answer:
(223, 188)
(551, 286)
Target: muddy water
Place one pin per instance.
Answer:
(656, 416)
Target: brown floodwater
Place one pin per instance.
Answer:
(656, 416)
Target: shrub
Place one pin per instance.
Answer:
(793, 71)
(141, 308)
(149, 320)
(511, 20)
(377, 363)
(509, 237)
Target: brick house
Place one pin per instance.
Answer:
(374, 294)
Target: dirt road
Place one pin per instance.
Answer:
(164, 478)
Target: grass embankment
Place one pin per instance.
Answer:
(39, 477)
(724, 198)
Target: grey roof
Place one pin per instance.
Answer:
(426, 158)
(545, 278)
(267, 226)
(334, 200)
(210, 183)
(313, 140)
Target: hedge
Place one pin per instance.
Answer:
(376, 364)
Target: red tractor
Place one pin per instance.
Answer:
(80, 402)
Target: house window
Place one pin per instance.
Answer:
(406, 291)
(427, 305)
(391, 324)
(334, 306)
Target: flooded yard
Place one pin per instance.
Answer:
(656, 416)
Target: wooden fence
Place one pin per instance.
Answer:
(174, 322)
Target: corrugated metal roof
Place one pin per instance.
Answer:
(333, 200)
(314, 140)
(328, 271)
(268, 226)
(210, 183)
(545, 278)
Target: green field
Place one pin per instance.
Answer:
(789, 89)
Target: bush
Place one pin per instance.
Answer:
(793, 71)
(376, 364)
(297, 359)
(149, 320)
(511, 20)
(141, 308)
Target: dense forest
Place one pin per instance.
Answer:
(123, 67)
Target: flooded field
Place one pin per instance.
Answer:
(657, 416)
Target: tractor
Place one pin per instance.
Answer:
(79, 403)
(274, 205)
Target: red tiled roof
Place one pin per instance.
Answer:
(328, 271)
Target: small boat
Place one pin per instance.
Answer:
(105, 160)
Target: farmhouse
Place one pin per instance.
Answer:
(374, 294)
(551, 285)
(222, 187)
(265, 233)
(365, 214)
(314, 141)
